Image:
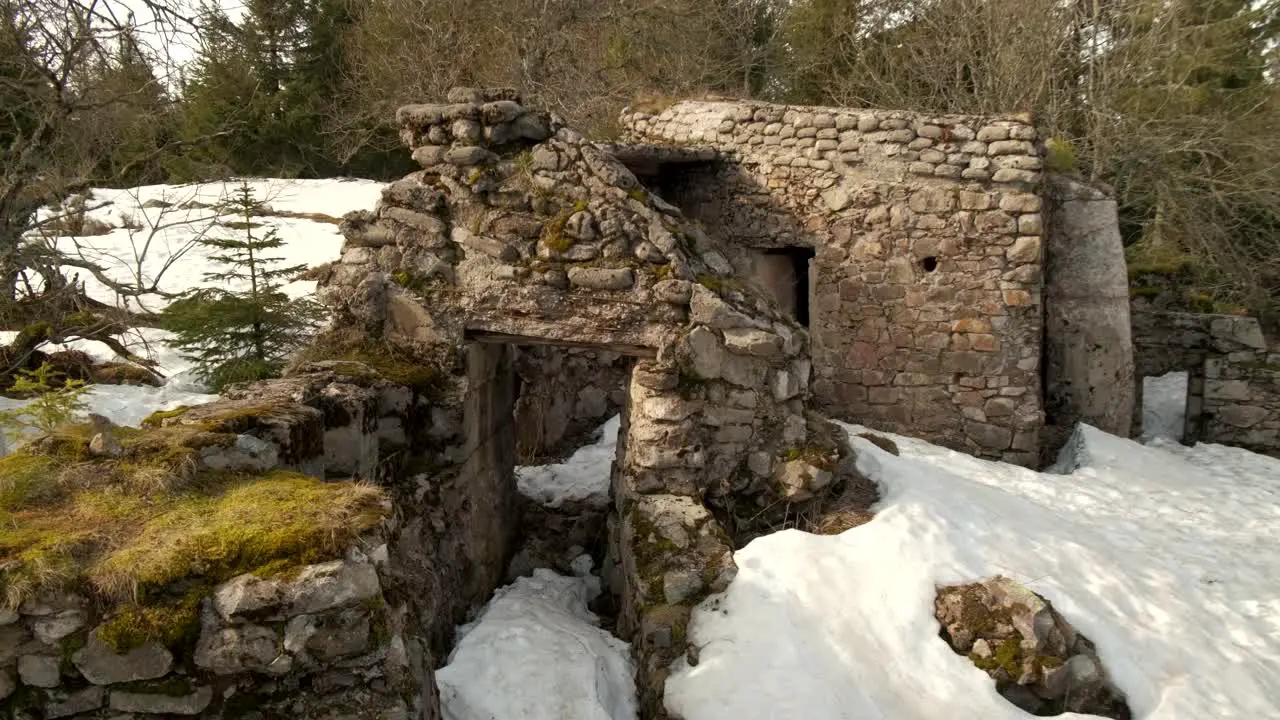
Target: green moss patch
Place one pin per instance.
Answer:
(157, 418)
(103, 531)
(390, 362)
(171, 622)
(250, 524)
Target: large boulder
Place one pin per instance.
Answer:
(1039, 661)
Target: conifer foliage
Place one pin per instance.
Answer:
(245, 328)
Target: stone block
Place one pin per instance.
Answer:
(41, 671)
(1026, 249)
(991, 437)
(745, 341)
(236, 650)
(992, 133)
(65, 704)
(192, 703)
(102, 665)
(602, 278)
(53, 628)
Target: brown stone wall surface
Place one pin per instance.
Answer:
(926, 314)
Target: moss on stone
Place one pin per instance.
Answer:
(379, 620)
(1149, 291)
(639, 195)
(110, 532)
(652, 551)
(823, 458)
(1008, 656)
(392, 363)
(253, 523)
(660, 272)
(173, 623)
(157, 418)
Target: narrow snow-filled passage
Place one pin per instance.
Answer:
(1165, 556)
(536, 653)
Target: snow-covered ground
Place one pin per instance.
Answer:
(578, 479)
(536, 653)
(170, 218)
(167, 218)
(1166, 556)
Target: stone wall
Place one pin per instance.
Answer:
(328, 639)
(324, 643)
(927, 276)
(520, 232)
(565, 394)
(1233, 394)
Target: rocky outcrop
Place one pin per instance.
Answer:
(1039, 661)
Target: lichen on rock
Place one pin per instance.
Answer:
(1039, 661)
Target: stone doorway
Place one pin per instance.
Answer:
(497, 411)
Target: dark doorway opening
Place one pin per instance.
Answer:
(794, 293)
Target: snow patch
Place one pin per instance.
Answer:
(1163, 556)
(536, 653)
(1164, 406)
(584, 477)
(168, 217)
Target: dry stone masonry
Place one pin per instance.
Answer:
(1233, 383)
(525, 284)
(520, 232)
(328, 639)
(926, 238)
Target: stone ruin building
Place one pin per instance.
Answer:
(726, 278)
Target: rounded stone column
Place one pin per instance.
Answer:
(1089, 374)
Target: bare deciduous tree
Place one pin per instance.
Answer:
(70, 91)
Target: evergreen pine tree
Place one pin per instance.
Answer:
(246, 329)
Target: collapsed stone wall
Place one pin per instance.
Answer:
(325, 639)
(1233, 387)
(324, 643)
(927, 232)
(519, 232)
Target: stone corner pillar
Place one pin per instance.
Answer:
(1088, 349)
